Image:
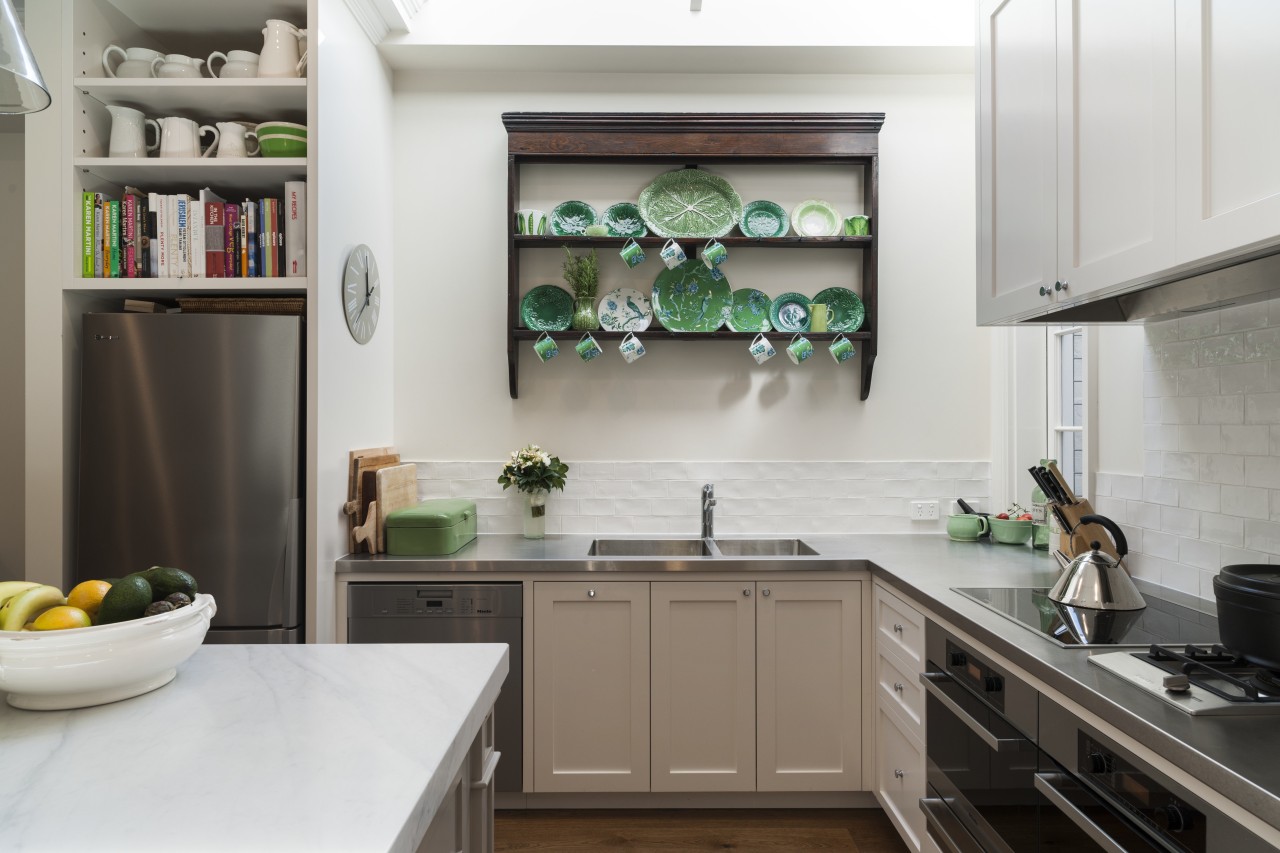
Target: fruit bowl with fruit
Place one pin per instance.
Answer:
(103, 642)
(1011, 527)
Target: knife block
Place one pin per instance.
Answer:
(1077, 540)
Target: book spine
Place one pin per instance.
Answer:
(115, 239)
(184, 238)
(97, 235)
(163, 242)
(129, 236)
(153, 231)
(295, 228)
(251, 237)
(277, 223)
(144, 239)
(231, 213)
(86, 235)
(215, 245)
(171, 225)
(195, 237)
(244, 241)
(269, 236)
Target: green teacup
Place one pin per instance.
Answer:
(1010, 531)
(967, 527)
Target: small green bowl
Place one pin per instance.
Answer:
(1010, 531)
(282, 146)
(281, 128)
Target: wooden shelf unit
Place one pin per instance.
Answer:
(692, 140)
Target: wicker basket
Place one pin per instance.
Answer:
(295, 306)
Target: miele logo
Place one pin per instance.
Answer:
(108, 337)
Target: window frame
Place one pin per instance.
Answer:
(1056, 425)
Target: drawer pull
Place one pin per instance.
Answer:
(897, 629)
(765, 592)
(591, 593)
(898, 774)
(746, 593)
(898, 686)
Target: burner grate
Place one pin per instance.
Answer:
(1249, 682)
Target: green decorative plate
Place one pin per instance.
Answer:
(624, 309)
(571, 218)
(846, 307)
(689, 299)
(790, 313)
(547, 308)
(624, 220)
(815, 218)
(763, 219)
(749, 311)
(690, 203)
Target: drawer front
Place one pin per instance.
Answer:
(900, 777)
(899, 628)
(901, 690)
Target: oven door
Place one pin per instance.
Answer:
(981, 769)
(1075, 818)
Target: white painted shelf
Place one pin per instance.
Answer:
(175, 287)
(206, 99)
(156, 174)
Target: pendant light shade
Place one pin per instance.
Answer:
(22, 89)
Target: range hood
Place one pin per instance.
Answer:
(1235, 282)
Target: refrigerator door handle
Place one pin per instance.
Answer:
(290, 568)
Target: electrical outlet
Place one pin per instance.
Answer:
(924, 511)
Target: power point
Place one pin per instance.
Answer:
(924, 511)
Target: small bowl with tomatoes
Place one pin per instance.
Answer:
(1012, 527)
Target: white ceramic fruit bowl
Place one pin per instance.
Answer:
(79, 667)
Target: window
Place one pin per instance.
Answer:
(1066, 415)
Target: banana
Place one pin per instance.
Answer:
(24, 606)
(8, 589)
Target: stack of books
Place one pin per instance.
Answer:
(149, 235)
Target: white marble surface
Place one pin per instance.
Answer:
(253, 748)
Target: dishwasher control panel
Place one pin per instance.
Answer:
(418, 600)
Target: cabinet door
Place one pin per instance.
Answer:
(704, 686)
(1115, 142)
(900, 777)
(1228, 122)
(1017, 207)
(591, 686)
(809, 686)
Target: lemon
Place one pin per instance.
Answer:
(62, 616)
(88, 596)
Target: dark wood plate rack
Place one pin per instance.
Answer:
(692, 140)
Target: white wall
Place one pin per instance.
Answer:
(12, 356)
(355, 188)
(1119, 439)
(706, 402)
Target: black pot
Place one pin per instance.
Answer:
(1249, 612)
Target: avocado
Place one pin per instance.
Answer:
(165, 582)
(127, 599)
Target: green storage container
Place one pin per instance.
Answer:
(431, 528)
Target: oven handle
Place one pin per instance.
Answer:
(1045, 784)
(931, 680)
(946, 829)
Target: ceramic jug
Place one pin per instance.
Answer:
(280, 50)
(178, 65)
(134, 62)
(235, 63)
(233, 140)
(129, 133)
(180, 137)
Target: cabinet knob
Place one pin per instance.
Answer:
(746, 593)
(1045, 291)
(897, 629)
(591, 593)
(765, 592)
(898, 774)
(897, 686)
(1060, 286)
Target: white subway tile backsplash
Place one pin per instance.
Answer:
(1163, 332)
(1160, 491)
(1184, 522)
(1178, 355)
(1199, 553)
(1127, 486)
(1198, 382)
(1262, 471)
(1262, 408)
(1242, 317)
(1200, 438)
(1262, 536)
(1152, 410)
(1240, 440)
(1246, 502)
(1222, 468)
(1223, 349)
(1161, 437)
(1180, 466)
(1144, 515)
(1102, 485)
(1223, 529)
(1222, 410)
(1181, 410)
(1112, 508)
(1262, 344)
(1247, 378)
(1159, 383)
(1161, 545)
(1198, 326)
(1205, 497)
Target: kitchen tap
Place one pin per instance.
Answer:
(708, 505)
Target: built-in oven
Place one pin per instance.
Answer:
(1009, 770)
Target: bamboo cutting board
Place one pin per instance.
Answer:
(360, 486)
(397, 489)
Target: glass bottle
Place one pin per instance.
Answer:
(1044, 525)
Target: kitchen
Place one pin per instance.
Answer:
(1176, 415)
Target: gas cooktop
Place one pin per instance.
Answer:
(1163, 621)
(1198, 679)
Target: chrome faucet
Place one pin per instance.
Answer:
(708, 505)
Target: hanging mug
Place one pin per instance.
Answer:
(761, 350)
(129, 133)
(841, 349)
(799, 350)
(714, 254)
(672, 255)
(587, 347)
(632, 253)
(631, 348)
(545, 347)
(134, 61)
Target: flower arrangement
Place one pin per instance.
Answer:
(531, 469)
(582, 273)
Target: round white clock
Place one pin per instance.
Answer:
(361, 293)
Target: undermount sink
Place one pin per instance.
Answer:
(650, 548)
(764, 548)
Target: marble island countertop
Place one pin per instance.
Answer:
(1233, 755)
(281, 748)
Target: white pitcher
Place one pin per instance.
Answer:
(235, 63)
(233, 139)
(178, 65)
(280, 50)
(180, 137)
(134, 62)
(129, 133)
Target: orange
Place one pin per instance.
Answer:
(87, 596)
(62, 616)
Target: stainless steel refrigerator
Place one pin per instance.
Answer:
(190, 437)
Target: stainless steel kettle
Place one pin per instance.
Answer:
(1093, 580)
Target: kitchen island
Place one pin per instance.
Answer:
(266, 747)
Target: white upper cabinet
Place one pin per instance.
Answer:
(1017, 170)
(1228, 74)
(1115, 142)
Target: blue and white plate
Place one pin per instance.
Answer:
(749, 311)
(624, 309)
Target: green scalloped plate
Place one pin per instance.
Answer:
(847, 310)
(690, 203)
(816, 218)
(547, 308)
(689, 299)
(623, 220)
(749, 311)
(763, 219)
(571, 218)
(790, 312)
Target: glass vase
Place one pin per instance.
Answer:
(584, 315)
(535, 515)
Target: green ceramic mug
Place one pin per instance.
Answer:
(714, 253)
(967, 527)
(799, 350)
(531, 221)
(841, 349)
(545, 347)
(632, 253)
(587, 347)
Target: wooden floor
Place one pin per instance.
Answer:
(697, 830)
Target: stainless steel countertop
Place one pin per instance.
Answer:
(1236, 756)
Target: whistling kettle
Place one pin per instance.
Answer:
(1093, 580)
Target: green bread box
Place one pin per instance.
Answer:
(431, 528)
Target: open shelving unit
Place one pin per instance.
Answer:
(693, 140)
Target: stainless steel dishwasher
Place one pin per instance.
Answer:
(454, 613)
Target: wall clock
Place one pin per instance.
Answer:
(361, 293)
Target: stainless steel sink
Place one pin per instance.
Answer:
(764, 548)
(650, 548)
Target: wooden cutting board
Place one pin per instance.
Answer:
(397, 489)
(361, 484)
